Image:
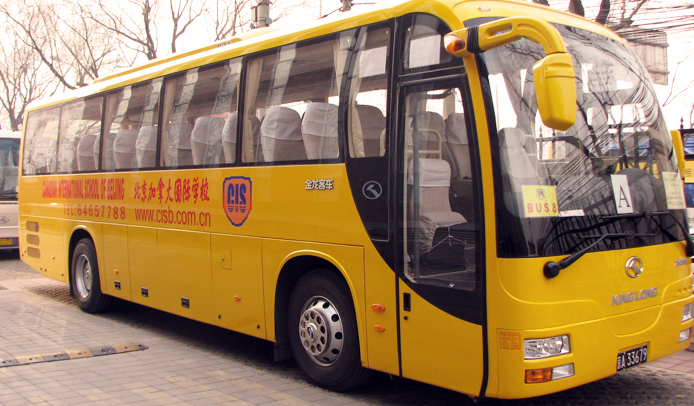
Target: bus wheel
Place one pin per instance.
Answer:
(84, 277)
(323, 332)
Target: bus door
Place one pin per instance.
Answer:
(439, 238)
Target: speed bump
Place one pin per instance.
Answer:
(72, 354)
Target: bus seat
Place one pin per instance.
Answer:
(458, 153)
(319, 131)
(373, 126)
(530, 146)
(206, 140)
(436, 218)
(124, 148)
(280, 135)
(432, 133)
(229, 135)
(146, 147)
(516, 164)
(180, 153)
(85, 153)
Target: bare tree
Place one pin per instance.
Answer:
(134, 21)
(672, 95)
(35, 24)
(179, 9)
(228, 18)
(22, 79)
(71, 47)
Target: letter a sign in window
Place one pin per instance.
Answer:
(622, 195)
(237, 199)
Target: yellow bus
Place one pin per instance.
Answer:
(447, 191)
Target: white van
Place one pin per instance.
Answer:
(9, 161)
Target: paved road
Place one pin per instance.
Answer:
(190, 363)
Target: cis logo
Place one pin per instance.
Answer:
(237, 200)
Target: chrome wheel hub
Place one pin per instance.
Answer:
(83, 276)
(321, 331)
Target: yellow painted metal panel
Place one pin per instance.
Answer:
(438, 348)
(114, 258)
(379, 286)
(52, 258)
(142, 261)
(590, 341)
(237, 284)
(184, 272)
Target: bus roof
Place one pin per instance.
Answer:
(10, 134)
(262, 39)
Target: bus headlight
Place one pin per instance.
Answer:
(685, 335)
(546, 347)
(687, 312)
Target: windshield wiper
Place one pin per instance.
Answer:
(552, 269)
(689, 243)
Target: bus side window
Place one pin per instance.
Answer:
(80, 122)
(368, 84)
(293, 92)
(41, 142)
(200, 115)
(130, 127)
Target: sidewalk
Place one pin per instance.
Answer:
(681, 362)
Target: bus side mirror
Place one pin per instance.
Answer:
(679, 150)
(555, 90)
(555, 87)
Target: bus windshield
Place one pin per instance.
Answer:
(9, 160)
(613, 172)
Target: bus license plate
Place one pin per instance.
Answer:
(5, 241)
(632, 358)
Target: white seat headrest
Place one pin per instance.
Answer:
(456, 131)
(125, 141)
(432, 173)
(208, 130)
(372, 121)
(511, 137)
(147, 139)
(320, 120)
(281, 123)
(86, 145)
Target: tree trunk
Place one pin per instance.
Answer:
(603, 13)
(576, 7)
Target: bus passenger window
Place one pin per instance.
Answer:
(80, 123)
(131, 127)
(200, 116)
(424, 48)
(368, 84)
(293, 92)
(41, 142)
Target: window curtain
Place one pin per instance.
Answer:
(253, 69)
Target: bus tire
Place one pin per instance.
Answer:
(323, 332)
(84, 279)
